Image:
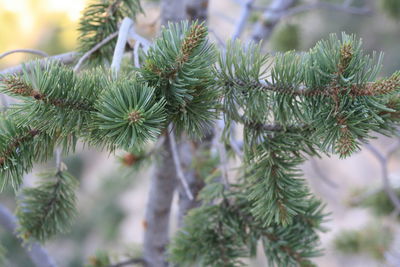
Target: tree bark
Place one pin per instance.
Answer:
(271, 17)
(156, 235)
(156, 224)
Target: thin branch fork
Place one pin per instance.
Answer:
(94, 49)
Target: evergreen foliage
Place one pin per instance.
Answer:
(179, 66)
(392, 8)
(49, 208)
(99, 20)
(19, 148)
(372, 239)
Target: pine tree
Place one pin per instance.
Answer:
(328, 100)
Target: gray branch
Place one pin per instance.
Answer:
(270, 18)
(66, 58)
(29, 51)
(156, 235)
(35, 251)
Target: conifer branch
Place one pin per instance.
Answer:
(47, 209)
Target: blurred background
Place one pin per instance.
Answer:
(363, 229)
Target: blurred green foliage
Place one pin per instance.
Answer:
(391, 8)
(286, 38)
(372, 240)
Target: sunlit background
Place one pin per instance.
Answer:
(48, 25)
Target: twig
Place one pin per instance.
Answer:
(129, 262)
(66, 58)
(383, 160)
(119, 50)
(36, 252)
(94, 49)
(177, 162)
(29, 51)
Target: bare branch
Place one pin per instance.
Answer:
(29, 51)
(119, 50)
(177, 162)
(94, 49)
(35, 251)
(66, 58)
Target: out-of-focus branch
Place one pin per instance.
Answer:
(29, 51)
(345, 7)
(129, 262)
(270, 18)
(66, 58)
(384, 160)
(244, 15)
(35, 251)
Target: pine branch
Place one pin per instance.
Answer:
(47, 209)
(183, 76)
(19, 147)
